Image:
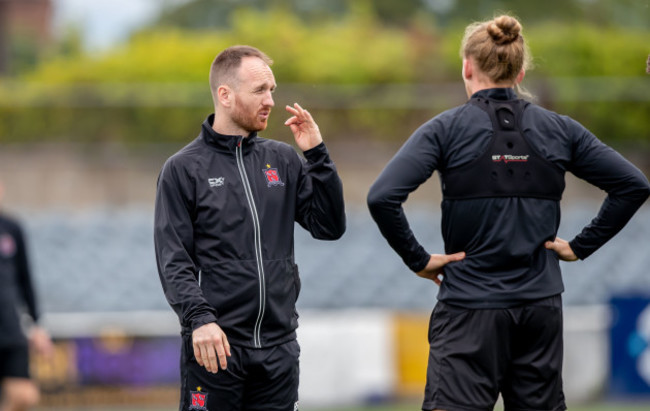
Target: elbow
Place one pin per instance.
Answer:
(646, 191)
(340, 230)
(332, 234)
(329, 229)
(378, 201)
(337, 231)
(641, 193)
(641, 189)
(374, 199)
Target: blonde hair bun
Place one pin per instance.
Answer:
(504, 30)
(498, 48)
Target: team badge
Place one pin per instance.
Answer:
(272, 176)
(7, 246)
(199, 400)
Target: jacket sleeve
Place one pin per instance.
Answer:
(174, 246)
(413, 164)
(320, 207)
(24, 274)
(626, 186)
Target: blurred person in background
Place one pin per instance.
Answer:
(225, 210)
(497, 325)
(18, 391)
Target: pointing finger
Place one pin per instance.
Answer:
(292, 110)
(302, 114)
(306, 115)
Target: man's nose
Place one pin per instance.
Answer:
(268, 100)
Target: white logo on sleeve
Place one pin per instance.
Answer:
(216, 182)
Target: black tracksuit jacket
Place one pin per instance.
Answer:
(224, 231)
(16, 290)
(506, 263)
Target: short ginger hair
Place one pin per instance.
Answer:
(225, 65)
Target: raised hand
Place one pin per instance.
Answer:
(304, 128)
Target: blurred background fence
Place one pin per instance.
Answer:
(94, 96)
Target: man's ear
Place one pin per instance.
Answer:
(224, 96)
(520, 76)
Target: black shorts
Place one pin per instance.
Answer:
(256, 379)
(14, 361)
(476, 354)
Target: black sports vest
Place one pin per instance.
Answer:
(510, 167)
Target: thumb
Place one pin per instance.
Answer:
(456, 256)
(550, 245)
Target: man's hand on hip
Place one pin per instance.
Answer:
(436, 265)
(210, 347)
(562, 248)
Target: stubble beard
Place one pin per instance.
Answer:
(246, 122)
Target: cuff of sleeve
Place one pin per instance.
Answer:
(203, 320)
(418, 264)
(578, 251)
(316, 152)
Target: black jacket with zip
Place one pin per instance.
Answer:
(224, 231)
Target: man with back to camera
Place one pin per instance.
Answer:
(497, 325)
(17, 390)
(224, 221)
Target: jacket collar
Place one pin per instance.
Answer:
(496, 94)
(224, 142)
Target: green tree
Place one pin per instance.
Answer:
(360, 75)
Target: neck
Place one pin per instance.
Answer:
(473, 87)
(223, 125)
(479, 82)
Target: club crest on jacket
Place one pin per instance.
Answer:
(272, 176)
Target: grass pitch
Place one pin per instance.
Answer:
(410, 406)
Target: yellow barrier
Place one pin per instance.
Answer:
(412, 353)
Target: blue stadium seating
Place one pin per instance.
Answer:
(104, 261)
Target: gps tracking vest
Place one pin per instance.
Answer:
(510, 167)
